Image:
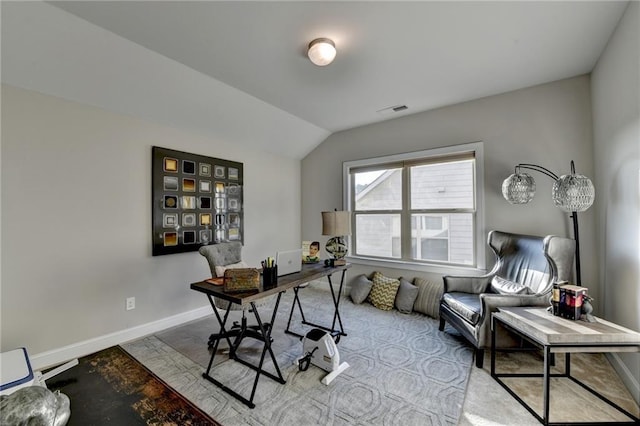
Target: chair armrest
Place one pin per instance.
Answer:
(490, 302)
(474, 285)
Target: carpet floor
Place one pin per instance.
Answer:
(403, 371)
(488, 404)
(386, 352)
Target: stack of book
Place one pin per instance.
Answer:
(571, 298)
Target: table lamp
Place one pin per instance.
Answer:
(337, 224)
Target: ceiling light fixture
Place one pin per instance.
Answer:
(322, 51)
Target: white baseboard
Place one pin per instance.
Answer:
(76, 350)
(627, 378)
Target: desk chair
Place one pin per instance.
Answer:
(220, 257)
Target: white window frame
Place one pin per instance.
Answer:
(477, 149)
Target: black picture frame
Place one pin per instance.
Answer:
(183, 216)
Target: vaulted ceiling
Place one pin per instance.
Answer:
(423, 55)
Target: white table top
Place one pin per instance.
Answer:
(547, 329)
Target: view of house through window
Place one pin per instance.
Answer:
(419, 209)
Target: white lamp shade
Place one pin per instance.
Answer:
(573, 193)
(336, 223)
(322, 51)
(519, 188)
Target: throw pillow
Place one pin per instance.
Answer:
(504, 286)
(383, 291)
(220, 269)
(429, 295)
(360, 288)
(407, 294)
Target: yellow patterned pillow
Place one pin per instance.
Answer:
(383, 291)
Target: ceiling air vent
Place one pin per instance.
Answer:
(392, 109)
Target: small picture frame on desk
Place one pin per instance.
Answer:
(310, 251)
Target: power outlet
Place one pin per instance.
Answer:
(131, 303)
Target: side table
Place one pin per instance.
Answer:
(558, 335)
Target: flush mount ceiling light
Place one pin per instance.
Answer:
(322, 51)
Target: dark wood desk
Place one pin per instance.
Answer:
(308, 273)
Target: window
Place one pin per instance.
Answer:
(420, 207)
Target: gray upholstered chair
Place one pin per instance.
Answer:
(525, 270)
(220, 257)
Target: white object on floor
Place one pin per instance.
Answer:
(64, 367)
(320, 350)
(329, 377)
(16, 371)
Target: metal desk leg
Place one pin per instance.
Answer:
(336, 303)
(265, 331)
(223, 331)
(296, 301)
(336, 312)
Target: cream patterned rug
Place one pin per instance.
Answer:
(403, 371)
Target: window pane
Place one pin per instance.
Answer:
(451, 241)
(435, 249)
(442, 186)
(433, 222)
(378, 235)
(379, 190)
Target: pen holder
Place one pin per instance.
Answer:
(270, 277)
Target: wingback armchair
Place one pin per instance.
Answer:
(524, 272)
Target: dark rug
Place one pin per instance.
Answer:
(111, 387)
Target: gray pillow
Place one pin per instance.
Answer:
(428, 300)
(360, 288)
(406, 296)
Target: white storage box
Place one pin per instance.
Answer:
(15, 371)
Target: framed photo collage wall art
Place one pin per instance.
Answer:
(197, 200)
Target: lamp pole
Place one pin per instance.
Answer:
(574, 215)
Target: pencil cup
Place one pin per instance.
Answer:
(270, 277)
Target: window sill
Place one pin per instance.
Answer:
(417, 267)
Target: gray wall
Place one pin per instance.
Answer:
(549, 125)
(616, 123)
(76, 223)
(76, 184)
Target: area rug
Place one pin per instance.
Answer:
(403, 371)
(111, 387)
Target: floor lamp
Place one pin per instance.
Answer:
(571, 193)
